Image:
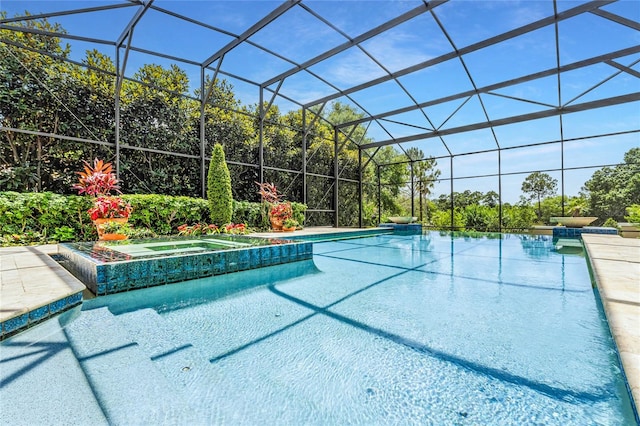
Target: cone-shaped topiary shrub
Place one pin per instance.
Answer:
(219, 188)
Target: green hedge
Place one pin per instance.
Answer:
(44, 217)
(29, 218)
(164, 213)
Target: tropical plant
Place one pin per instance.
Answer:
(210, 229)
(198, 229)
(578, 206)
(268, 192)
(290, 223)
(235, 229)
(282, 211)
(114, 228)
(110, 208)
(271, 197)
(98, 181)
(219, 188)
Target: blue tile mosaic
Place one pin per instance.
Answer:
(21, 322)
(563, 232)
(231, 260)
(276, 252)
(74, 299)
(106, 277)
(15, 323)
(255, 258)
(39, 313)
(57, 306)
(405, 228)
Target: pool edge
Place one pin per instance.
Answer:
(617, 284)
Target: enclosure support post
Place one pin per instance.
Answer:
(379, 195)
(359, 188)
(203, 100)
(117, 113)
(420, 190)
(413, 212)
(499, 190)
(562, 167)
(128, 35)
(451, 196)
(335, 173)
(260, 136)
(305, 133)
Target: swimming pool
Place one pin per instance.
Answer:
(423, 329)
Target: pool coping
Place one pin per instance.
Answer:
(33, 287)
(615, 265)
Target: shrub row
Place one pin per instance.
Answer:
(484, 218)
(27, 218)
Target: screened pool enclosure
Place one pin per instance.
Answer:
(343, 104)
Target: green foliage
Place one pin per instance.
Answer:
(481, 218)
(55, 217)
(517, 218)
(461, 199)
(611, 223)
(633, 212)
(549, 207)
(299, 211)
(219, 188)
(441, 219)
(537, 186)
(577, 206)
(250, 213)
(290, 223)
(611, 189)
(163, 213)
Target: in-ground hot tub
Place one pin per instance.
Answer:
(107, 267)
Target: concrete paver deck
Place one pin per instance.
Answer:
(615, 262)
(30, 279)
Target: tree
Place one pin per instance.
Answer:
(30, 86)
(539, 185)
(219, 188)
(425, 176)
(611, 189)
(491, 199)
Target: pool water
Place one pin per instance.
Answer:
(423, 329)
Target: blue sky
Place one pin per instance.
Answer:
(300, 36)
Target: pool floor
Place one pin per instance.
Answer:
(427, 329)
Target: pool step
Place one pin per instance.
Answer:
(127, 383)
(179, 360)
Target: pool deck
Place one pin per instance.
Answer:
(33, 282)
(615, 263)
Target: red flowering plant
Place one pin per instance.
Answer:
(98, 180)
(269, 193)
(204, 229)
(109, 208)
(282, 211)
(235, 228)
(270, 196)
(198, 229)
